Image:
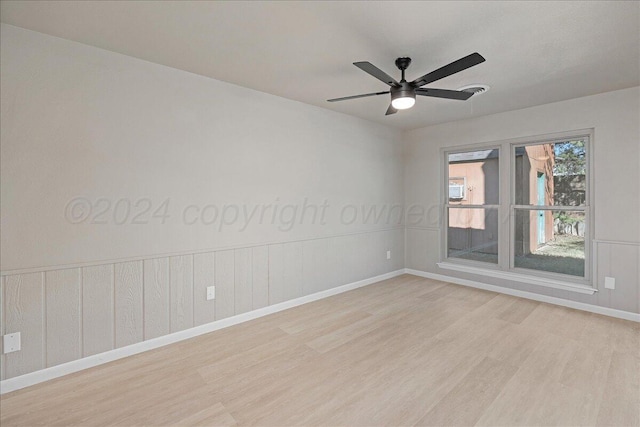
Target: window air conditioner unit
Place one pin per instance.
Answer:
(456, 191)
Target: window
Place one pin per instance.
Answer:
(534, 222)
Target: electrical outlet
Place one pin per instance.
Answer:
(11, 342)
(211, 293)
(388, 254)
(609, 282)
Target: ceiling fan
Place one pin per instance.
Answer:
(403, 93)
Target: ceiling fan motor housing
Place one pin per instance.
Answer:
(405, 90)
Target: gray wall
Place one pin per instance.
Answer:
(616, 155)
(78, 121)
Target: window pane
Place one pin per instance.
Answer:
(473, 234)
(550, 241)
(474, 177)
(551, 174)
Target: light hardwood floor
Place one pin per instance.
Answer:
(406, 351)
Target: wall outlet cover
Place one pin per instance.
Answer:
(11, 342)
(609, 282)
(211, 293)
(388, 254)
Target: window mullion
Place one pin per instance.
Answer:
(550, 208)
(473, 206)
(506, 189)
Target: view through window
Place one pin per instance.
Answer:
(472, 232)
(550, 197)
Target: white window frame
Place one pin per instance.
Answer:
(507, 208)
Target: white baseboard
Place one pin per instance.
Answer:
(620, 314)
(42, 375)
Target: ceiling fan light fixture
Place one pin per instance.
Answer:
(403, 97)
(403, 103)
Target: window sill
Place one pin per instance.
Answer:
(522, 278)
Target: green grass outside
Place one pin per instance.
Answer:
(564, 255)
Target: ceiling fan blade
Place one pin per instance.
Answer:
(356, 96)
(444, 93)
(376, 72)
(455, 67)
(390, 110)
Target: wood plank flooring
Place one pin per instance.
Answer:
(402, 352)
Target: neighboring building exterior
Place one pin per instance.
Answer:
(474, 180)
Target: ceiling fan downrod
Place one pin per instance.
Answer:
(403, 63)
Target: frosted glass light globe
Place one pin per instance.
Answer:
(403, 103)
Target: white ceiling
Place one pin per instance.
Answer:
(537, 52)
